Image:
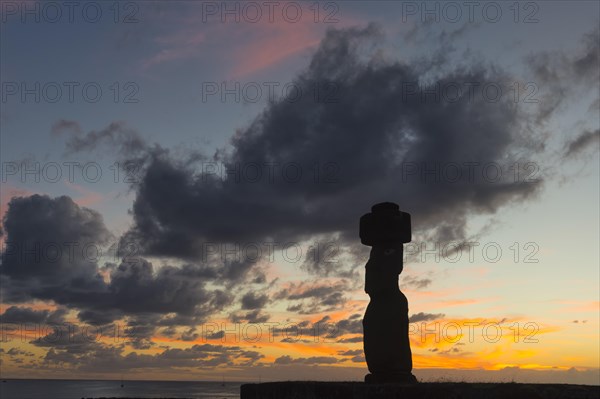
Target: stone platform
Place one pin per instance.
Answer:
(433, 390)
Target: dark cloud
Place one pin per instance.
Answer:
(45, 238)
(568, 68)
(216, 335)
(424, 317)
(66, 126)
(331, 158)
(450, 351)
(136, 289)
(45, 254)
(351, 352)
(327, 329)
(17, 352)
(254, 301)
(140, 329)
(190, 335)
(283, 360)
(587, 62)
(415, 282)
(311, 298)
(116, 135)
(152, 296)
(93, 356)
(254, 316)
(324, 329)
(364, 141)
(348, 326)
(18, 314)
(43, 259)
(566, 75)
(586, 139)
(333, 256)
(102, 317)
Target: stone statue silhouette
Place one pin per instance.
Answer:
(385, 325)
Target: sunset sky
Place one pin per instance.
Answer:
(182, 183)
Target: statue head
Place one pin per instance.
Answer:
(385, 226)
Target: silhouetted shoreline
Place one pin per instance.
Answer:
(432, 390)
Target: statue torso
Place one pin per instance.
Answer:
(382, 271)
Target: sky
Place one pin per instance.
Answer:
(182, 183)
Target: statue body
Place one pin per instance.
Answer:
(385, 325)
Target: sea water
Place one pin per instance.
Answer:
(77, 389)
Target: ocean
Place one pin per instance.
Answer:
(77, 389)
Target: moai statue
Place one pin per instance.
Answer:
(385, 325)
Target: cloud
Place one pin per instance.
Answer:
(136, 289)
(284, 360)
(332, 256)
(566, 74)
(415, 282)
(586, 139)
(216, 335)
(44, 241)
(43, 259)
(66, 126)
(351, 340)
(117, 135)
(351, 352)
(579, 66)
(424, 317)
(19, 314)
(314, 298)
(254, 301)
(17, 352)
(334, 329)
(93, 356)
(372, 142)
(331, 158)
(254, 316)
